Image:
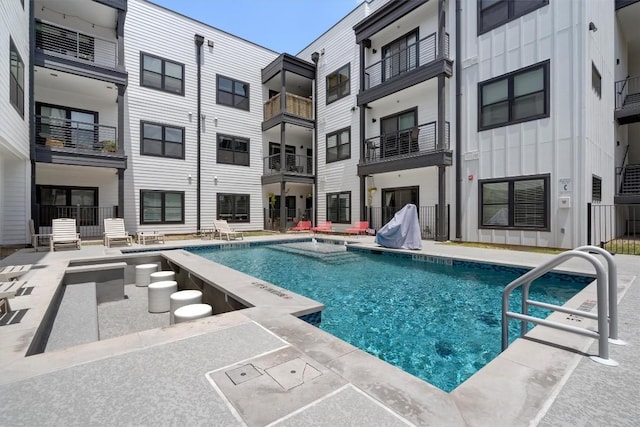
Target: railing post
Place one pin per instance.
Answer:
(78, 218)
(589, 223)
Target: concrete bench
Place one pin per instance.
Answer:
(109, 279)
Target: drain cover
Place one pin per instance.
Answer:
(293, 373)
(243, 374)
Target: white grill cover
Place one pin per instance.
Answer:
(403, 231)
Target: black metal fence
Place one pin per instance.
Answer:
(89, 219)
(427, 216)
(615, 228)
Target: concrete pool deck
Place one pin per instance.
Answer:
(263, 367)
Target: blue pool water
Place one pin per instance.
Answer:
(440, 323)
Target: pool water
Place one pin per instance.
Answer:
(441, 323)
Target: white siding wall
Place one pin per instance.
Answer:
(553, 145)
(14, 130)
(105, 179)
(157, 31)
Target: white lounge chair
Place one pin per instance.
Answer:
(63, 232)
(12, 272)
(222, 229)
(114, 232)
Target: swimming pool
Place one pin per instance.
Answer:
(436, 321)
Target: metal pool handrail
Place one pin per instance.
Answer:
(525, 281)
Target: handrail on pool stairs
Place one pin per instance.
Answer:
(607, 321)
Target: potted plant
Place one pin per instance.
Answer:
(109, 146)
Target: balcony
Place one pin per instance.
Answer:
(297, 168)
(414, 64)
(406, 149)
(628, 100)
(295, 105)
(67, 43)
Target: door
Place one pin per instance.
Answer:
(397, 132)
(394, 199)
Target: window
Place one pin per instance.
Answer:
(519, 203)
(80, 203)
(161, 140)
(57, 125)
(233, 207)
(339, 207)
(400, 56)
(494, 13)
(161, 74)
(16, 79)
(516, 97)
(338, 84)
(161, 207)
(339, 145)
(233, 93)
(596, 81)
(596, 189)
(233, 150)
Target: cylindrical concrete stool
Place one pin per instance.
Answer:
(182, 298)
(162, 276)
(143, 273)
(159, 295)
(191, 312)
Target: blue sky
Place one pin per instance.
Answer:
(281, 25)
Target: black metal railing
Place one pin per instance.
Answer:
(409, 142)
(627, 92)
(272, 218)
(427, 216)
(65, 42)
(415, 55)
(293, 163)
(615, 228)
(75, 135)
(89, 219)
(628, 180)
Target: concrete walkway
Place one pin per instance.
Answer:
(259, 367)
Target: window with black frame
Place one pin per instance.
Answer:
(400, 56)
(516, 97)
(339, 145)
(58, 201)
(16, 79)
(596, 188)
(162, 74)
(517, 203)
(338, 85)
(161, 140)
(494, 13)
(60, 126)
(161, 207)
(233, 93)
(339, 207)
(233, 207)
(233, 150)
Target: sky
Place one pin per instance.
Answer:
(280, 25)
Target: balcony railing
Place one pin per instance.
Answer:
(405, 143)
(628, 180)
(294, 163)
(89, 219)
(413, 56)
(65, 42)
(74, 135)
(427, 217)
(294, 104)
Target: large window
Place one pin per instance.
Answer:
(519, 203)
(57, 201)
(161, 207)
(339, 145)
(161, 140)
(339, 207)
(57, 125)
(233, 207)
(233, 93)
(233, 150)
(159, 73)
(338, 84)
(494, 13)
(400, 56)
(514, 98)
(16, 79)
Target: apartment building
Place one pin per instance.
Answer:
(503, 121)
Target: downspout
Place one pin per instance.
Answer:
(361, 129)
(315, 56)
(31, 119)
(458, 156)
(199, 40)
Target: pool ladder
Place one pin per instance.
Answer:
(607, 314)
